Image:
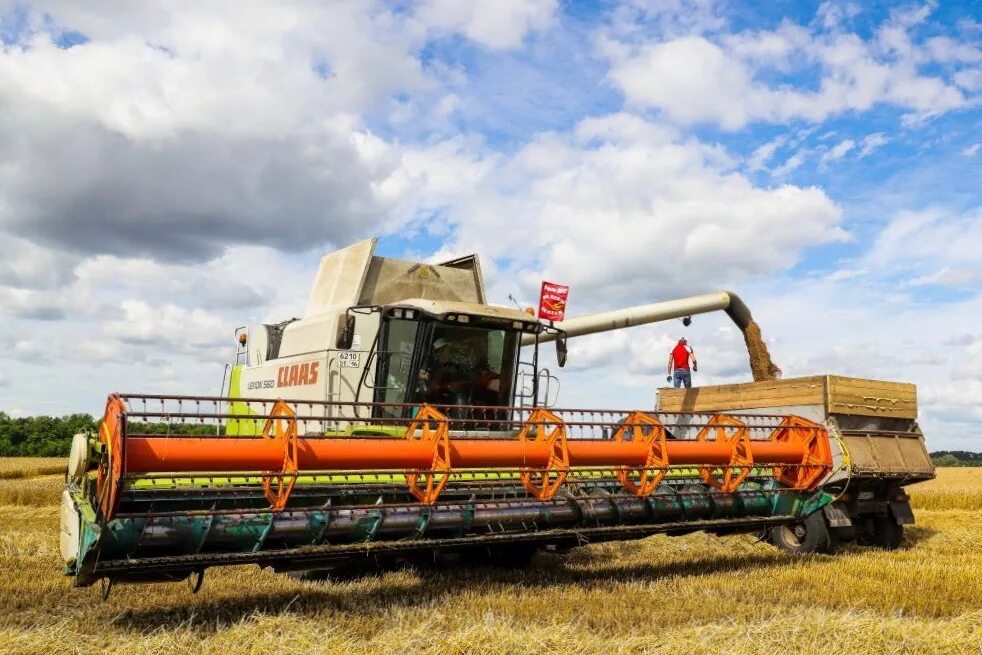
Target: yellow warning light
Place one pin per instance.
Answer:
(530, 311)
(243, 338)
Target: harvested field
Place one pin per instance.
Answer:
(693, 594)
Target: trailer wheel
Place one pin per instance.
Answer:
(811, 535)
(887, 533)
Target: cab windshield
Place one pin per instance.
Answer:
(448, 366)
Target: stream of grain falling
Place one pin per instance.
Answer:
(760, 360)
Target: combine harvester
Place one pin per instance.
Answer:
(401, 420)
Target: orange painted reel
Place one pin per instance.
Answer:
(109, 477)
(817, 460)
(430, 427)
(281, 426)
(640, 428)
(544, 426)
(733, 431)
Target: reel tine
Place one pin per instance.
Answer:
(195, 580)
(105, 587)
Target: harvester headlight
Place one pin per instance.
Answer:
(464, 318)
(78, 457)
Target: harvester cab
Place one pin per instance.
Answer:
(394, 335)
(453, 355)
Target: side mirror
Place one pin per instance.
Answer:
(346, 332)
(561, 351)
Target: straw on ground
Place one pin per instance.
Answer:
(660, 595)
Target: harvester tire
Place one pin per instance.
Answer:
(812, 535)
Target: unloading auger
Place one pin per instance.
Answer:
(173, 495)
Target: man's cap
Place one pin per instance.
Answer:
(682, 340)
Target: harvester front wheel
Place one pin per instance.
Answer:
(812, 535)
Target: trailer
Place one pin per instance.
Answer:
(873, 426)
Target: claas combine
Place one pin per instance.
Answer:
(405, 419)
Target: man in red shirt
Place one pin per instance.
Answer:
(678, 364)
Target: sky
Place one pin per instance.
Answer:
(170, 171)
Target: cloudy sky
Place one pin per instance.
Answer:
(172, 170)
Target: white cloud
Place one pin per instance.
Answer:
(969, 79)
(946, 49)
(29, 350)
(167, 326)
(499, 24)
(930, 246)
(175, 133)
(833, 14)
(763, 154)
(871, 142)
(626, 209)
(838, 151)
(694, 79)
(791, 164)
(43, 304)
(633, 19)
(25, 265)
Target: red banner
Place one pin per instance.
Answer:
(552, 301)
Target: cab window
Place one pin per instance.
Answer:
(469, 366)
(393, 380)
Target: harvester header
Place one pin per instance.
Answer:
(166, 506)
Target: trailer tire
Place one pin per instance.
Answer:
(812, 535)
(887, 533)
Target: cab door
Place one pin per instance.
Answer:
(396, 374)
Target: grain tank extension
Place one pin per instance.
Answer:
(403, 418)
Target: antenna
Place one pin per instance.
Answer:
(517, 304)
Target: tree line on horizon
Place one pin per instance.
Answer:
(51, 436)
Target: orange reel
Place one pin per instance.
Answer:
(109, 477)
(433, 427)
(817, 461)
(549, 428)
(638, 427)
(733, 431)
(282, 423)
